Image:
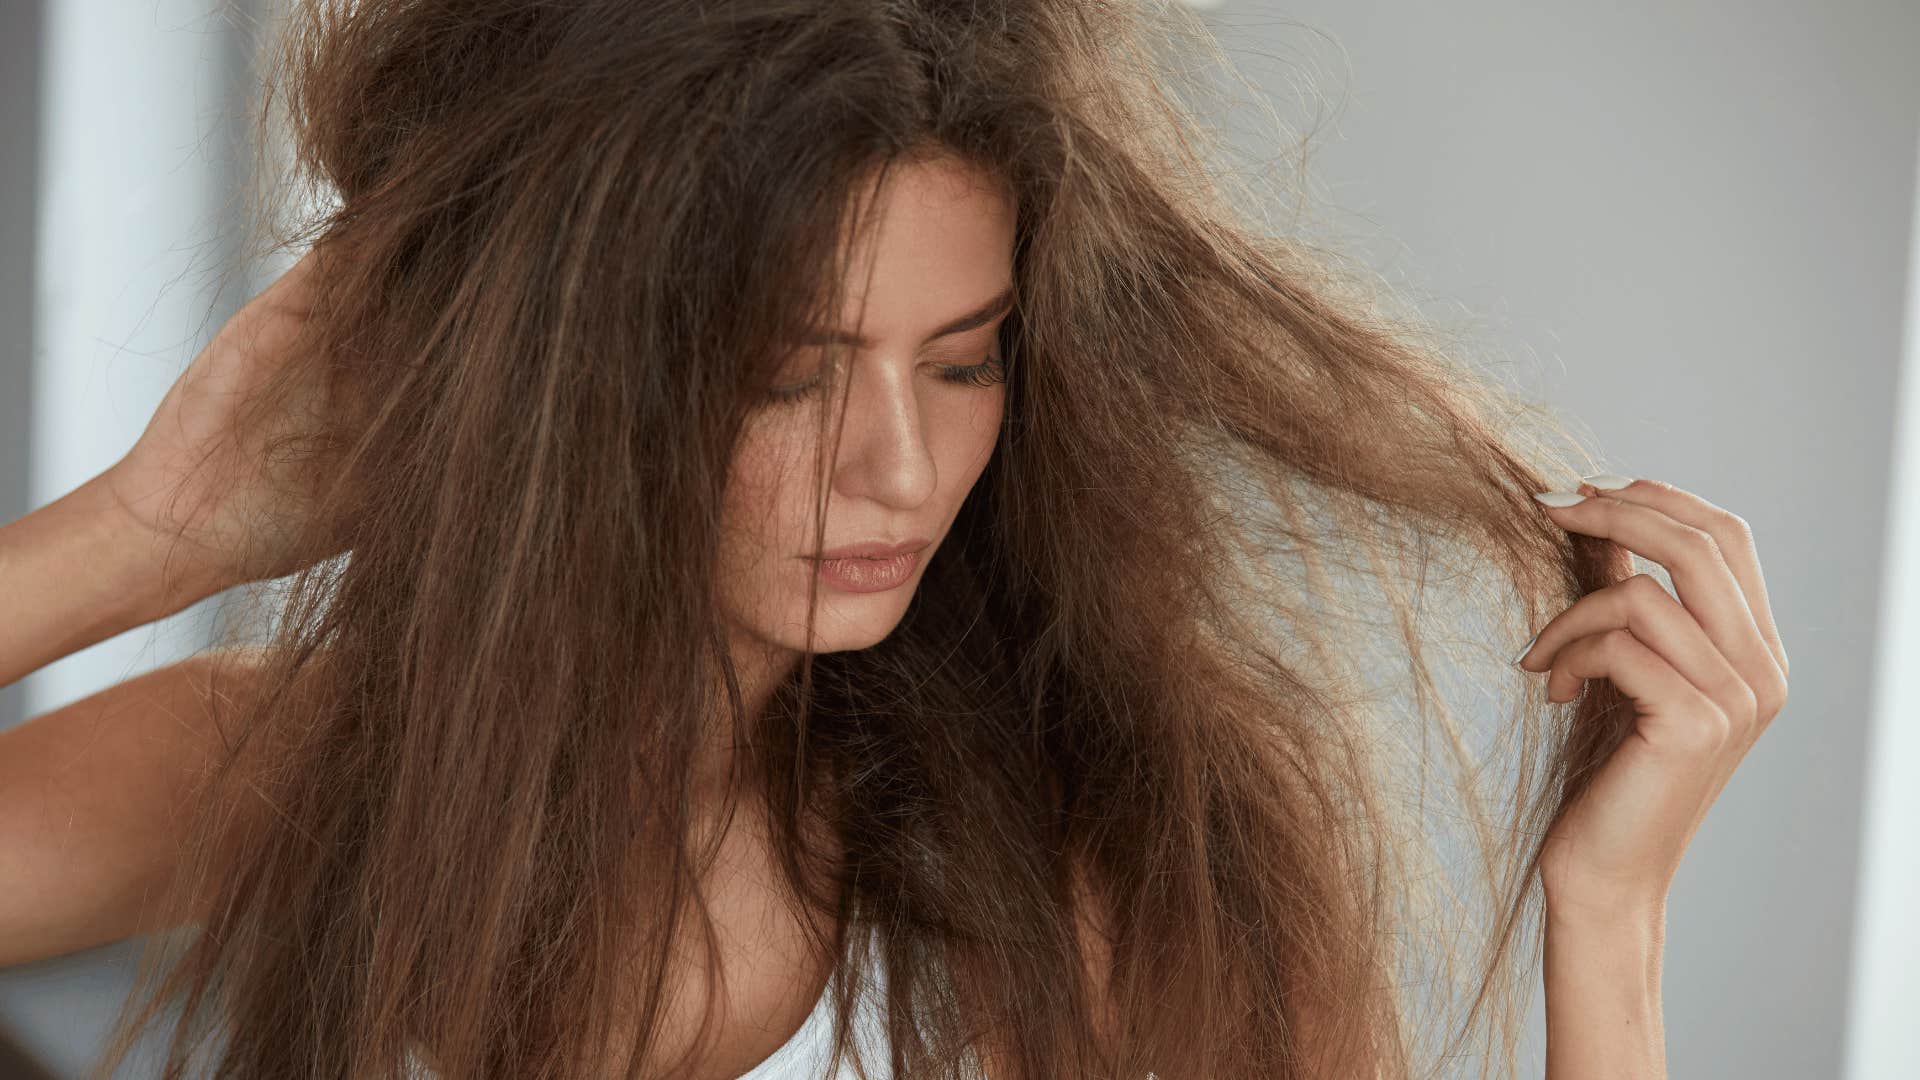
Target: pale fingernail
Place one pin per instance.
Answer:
(1608, 481)
(1560, 498)
(1525, 649)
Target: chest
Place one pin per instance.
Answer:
(773, 974)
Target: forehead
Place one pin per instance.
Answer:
(939, 260)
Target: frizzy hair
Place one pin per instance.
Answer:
(565, 240)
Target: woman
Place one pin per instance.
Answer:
(849, 520)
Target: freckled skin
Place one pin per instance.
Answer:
(913, 443)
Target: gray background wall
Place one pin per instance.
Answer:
(1696, 217)
(19, 191)
(1689, 222)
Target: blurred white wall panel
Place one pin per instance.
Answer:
(1885, 998)
(138, 127)
(134, 179)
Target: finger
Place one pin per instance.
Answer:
(1675, 728)
(1701, 576)
(1729, 530)
(1642, 607)
(1673, 714)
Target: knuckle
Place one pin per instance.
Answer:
(1735, 525)
(1638, 598)
(1700, 541)
(1723, 720)
(1742, 708)
(1770, 698)
(1644, 588)
(1709, 729)
(1617, 643)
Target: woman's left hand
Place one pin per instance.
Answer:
(1706, 673)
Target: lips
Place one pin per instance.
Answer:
(868, 575)
(874, 549)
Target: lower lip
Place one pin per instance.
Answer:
(868, 575)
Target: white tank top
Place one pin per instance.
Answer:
(804, 1056)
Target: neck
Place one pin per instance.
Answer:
(759, 667)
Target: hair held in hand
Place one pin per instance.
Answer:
(1193, 631)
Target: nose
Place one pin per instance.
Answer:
(884, 454)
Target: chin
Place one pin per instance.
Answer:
(846, 638)
(840, 625)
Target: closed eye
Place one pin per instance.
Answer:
(989, 372)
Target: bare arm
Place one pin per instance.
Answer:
(1603, 996)
(95, 798)
(91, 794)
(78, 571)
(1706, 673)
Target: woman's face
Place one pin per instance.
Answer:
(923, 411)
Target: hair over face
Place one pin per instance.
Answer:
(1143, 667)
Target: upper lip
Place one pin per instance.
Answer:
(873, 549)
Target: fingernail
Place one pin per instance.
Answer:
(1608, 481)
(1560, 498)
(1525, 649)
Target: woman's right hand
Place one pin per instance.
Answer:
(197, 476)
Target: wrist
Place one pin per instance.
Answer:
(1602, 969)
(1632, 942)
(76, 572)
(1581, 900)
(1587, 915)
(151, 576)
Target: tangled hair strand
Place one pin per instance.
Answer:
(1235, 496)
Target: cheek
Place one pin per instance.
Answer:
(765, 491)
(976, 431)
(762, 463)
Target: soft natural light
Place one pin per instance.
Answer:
(132, 192)
(1886, 942)
(1692, 261)
(133, 187)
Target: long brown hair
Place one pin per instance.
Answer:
(1237, 500)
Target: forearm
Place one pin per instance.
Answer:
(1603, 996)
(75, 572)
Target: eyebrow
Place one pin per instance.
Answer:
(974, 319)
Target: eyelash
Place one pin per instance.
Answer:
(987, 373)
